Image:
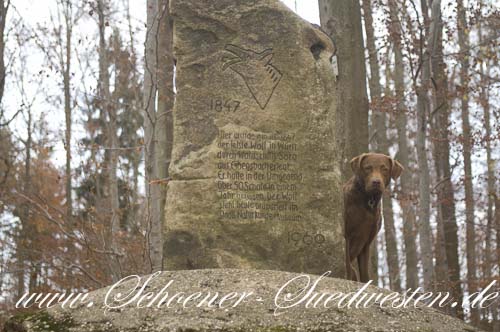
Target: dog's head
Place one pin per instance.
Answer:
(375, 171)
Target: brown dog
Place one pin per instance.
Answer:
(362, 215)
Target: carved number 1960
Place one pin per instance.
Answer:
(220, 105)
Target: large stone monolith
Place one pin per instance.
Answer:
(255, 171)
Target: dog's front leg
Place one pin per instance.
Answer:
(348, 267)
(364, 264)
(352, 251)
(350, 272)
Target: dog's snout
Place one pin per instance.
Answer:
(376, 183)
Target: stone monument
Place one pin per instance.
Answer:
(255, 171)
(255, 185)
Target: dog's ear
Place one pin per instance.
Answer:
(356, 163)
(396, 169)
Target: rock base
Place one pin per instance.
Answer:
(243, 300)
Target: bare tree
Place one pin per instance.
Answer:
(164, 118)
(484, 101)
(111, 160)
(404, 196)
(150, 91)
(65, 65)
(158, 90)
(463, 42)
(136, 100)
(379, 137)
(441, 142)
(496, 323)
(4, 8)
(425, 231)
(490, 163)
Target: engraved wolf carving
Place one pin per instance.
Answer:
(260, 76)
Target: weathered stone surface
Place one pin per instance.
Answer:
(256, 161)
(250, 315)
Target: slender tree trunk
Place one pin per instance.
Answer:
(445, 193)
(131, 222)
(442, 280)
(403, 151)
(66, 67)
(463, 42)
(442, 277)
(442, 271)
(112, 144)
(391, 243)
(20, 267)
(28, 229)
(4, 7)
(496, 323)
(424, 228)
(23, 257)
(493, 201)
(490, 164)
(66, 64)
(164, 124)
(153, 192)
(490, 226)
(379, 137)
(425, 231)
(150, 88)
(374, 79)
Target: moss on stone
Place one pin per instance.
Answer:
(279, 328)
(39, 321)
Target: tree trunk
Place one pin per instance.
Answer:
(164, 118)
(112, 144)
(493, 201)
(425, 231)
(463, 43)
(132, 221)
(496, 323)
(374, 79)
(67, 111)
(445, 193)
(403, 150)
(342, 22)
(23, 255)
(65, 67)
(4, 7)
(153, 189)
(21, 239)
(379, 137)
(424, 228)
(442, 278)
(490, 164)
(28, 229)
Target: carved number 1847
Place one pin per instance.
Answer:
(227, 106)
